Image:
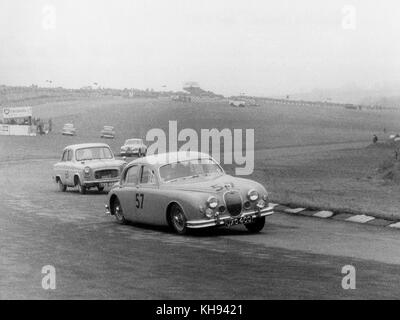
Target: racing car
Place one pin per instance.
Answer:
(86, 166)
(68, 130)
(186, 190)
(108, 132)
(134, 147)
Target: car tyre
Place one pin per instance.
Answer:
(177, 219)
(117, 211)
(61, 186)
(256, 226)
(81, 188)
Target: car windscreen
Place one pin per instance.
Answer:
(189, 169)
(133, 141)
(93, 153)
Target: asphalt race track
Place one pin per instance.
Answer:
(94, 257)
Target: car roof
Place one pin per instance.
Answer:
(170, 157)
(86, 145)
(134, 139)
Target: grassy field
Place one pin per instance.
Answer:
(296, 147)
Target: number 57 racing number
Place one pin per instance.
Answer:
(139, 200)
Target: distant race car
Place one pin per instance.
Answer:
(134, 147)
(108, 132)
(237, 103)
(68, 130)
(87, 166)
(186, 190)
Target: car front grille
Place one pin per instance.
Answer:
(106, 174)
(233, 203)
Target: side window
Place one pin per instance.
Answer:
(69, 155)
(147, 176)
(132, 175)
(64, 156)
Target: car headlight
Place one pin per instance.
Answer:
(86, 170)
(212, 202)
(252, 195)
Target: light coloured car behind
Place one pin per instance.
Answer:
(134, 147)
(108, 132)
(86, 166)
(68, 130)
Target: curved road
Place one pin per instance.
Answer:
(95, 258)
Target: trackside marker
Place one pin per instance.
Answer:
(395, 225)
(296, 210)
(361, 218)
(323, 214)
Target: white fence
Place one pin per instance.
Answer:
(17, 130)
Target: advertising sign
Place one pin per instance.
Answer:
(17, 112)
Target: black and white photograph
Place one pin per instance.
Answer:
(217, 152)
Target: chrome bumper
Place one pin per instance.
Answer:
(100, 181)
(108, 211)
(194, 224)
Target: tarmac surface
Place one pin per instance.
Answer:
(294, 257)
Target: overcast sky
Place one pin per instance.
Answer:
(257, 47)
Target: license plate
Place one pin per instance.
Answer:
(106, 184)
(236, 221)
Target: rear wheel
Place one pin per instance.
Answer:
(177, 219)
(61, 186)
(256, 226)
(117, 211)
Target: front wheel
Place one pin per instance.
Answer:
(81, 188)
(256, 226)
(61, 186)
(177, 220)
(118, 212)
